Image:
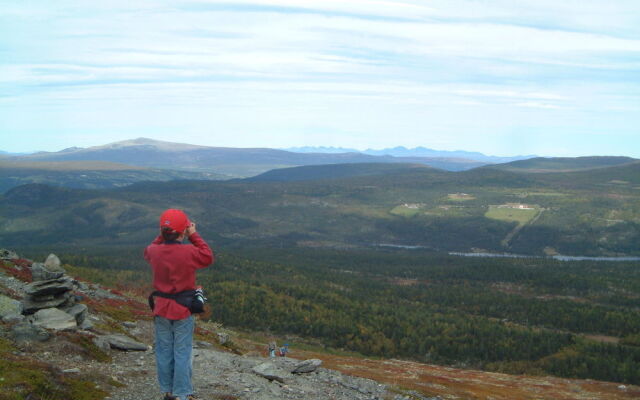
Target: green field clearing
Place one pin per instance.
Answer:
(460, 197)
(509, 214)
(549, 194)
(405, 210)
(451, 211)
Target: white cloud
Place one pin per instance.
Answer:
(323, 66)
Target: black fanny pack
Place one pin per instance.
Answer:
(192, 299)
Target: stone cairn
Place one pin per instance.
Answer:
(49, 304)
(50, 299)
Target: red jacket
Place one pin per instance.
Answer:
(174, 270)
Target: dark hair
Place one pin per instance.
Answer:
(169, 234)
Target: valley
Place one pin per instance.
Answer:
(482, 210)
(355, 258)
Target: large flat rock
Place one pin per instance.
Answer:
(120, 342)
(55, 319)
(49, 287)
(270, 371)
(306, 366)
(31, 305)
(40, 272)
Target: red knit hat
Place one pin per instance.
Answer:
(174, 219)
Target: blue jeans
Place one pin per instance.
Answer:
(173, 355)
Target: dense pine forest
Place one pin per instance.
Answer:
(534, 316)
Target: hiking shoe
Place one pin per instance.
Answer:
(169, 396)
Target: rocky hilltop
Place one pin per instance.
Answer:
(95, 343)
(65, 338)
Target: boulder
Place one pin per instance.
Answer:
(78, 311)
(9, 306)
(53, 318)
(25, 332)
(121, 342)
(306, 366)
(40, 272)
(49, 287)
(270, 371)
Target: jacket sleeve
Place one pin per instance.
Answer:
(202, 255)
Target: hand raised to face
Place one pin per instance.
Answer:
(190, 229)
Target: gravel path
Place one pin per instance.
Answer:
(220, 375)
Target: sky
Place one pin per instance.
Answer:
(503, 77)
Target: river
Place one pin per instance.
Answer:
(508, 255)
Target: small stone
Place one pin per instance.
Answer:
(8, 254)
(53, 263)
(71, 371)
(129, 324)
(222, 337)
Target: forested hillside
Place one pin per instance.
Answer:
(587, 213)
(87, 174)
(533, 316)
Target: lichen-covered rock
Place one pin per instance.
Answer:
(9, 306)
(25, 332)
(55, 319)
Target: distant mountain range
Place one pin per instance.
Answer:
(235, 162)
(129, 161)
(401, 151)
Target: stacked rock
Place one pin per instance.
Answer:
(49, 297)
